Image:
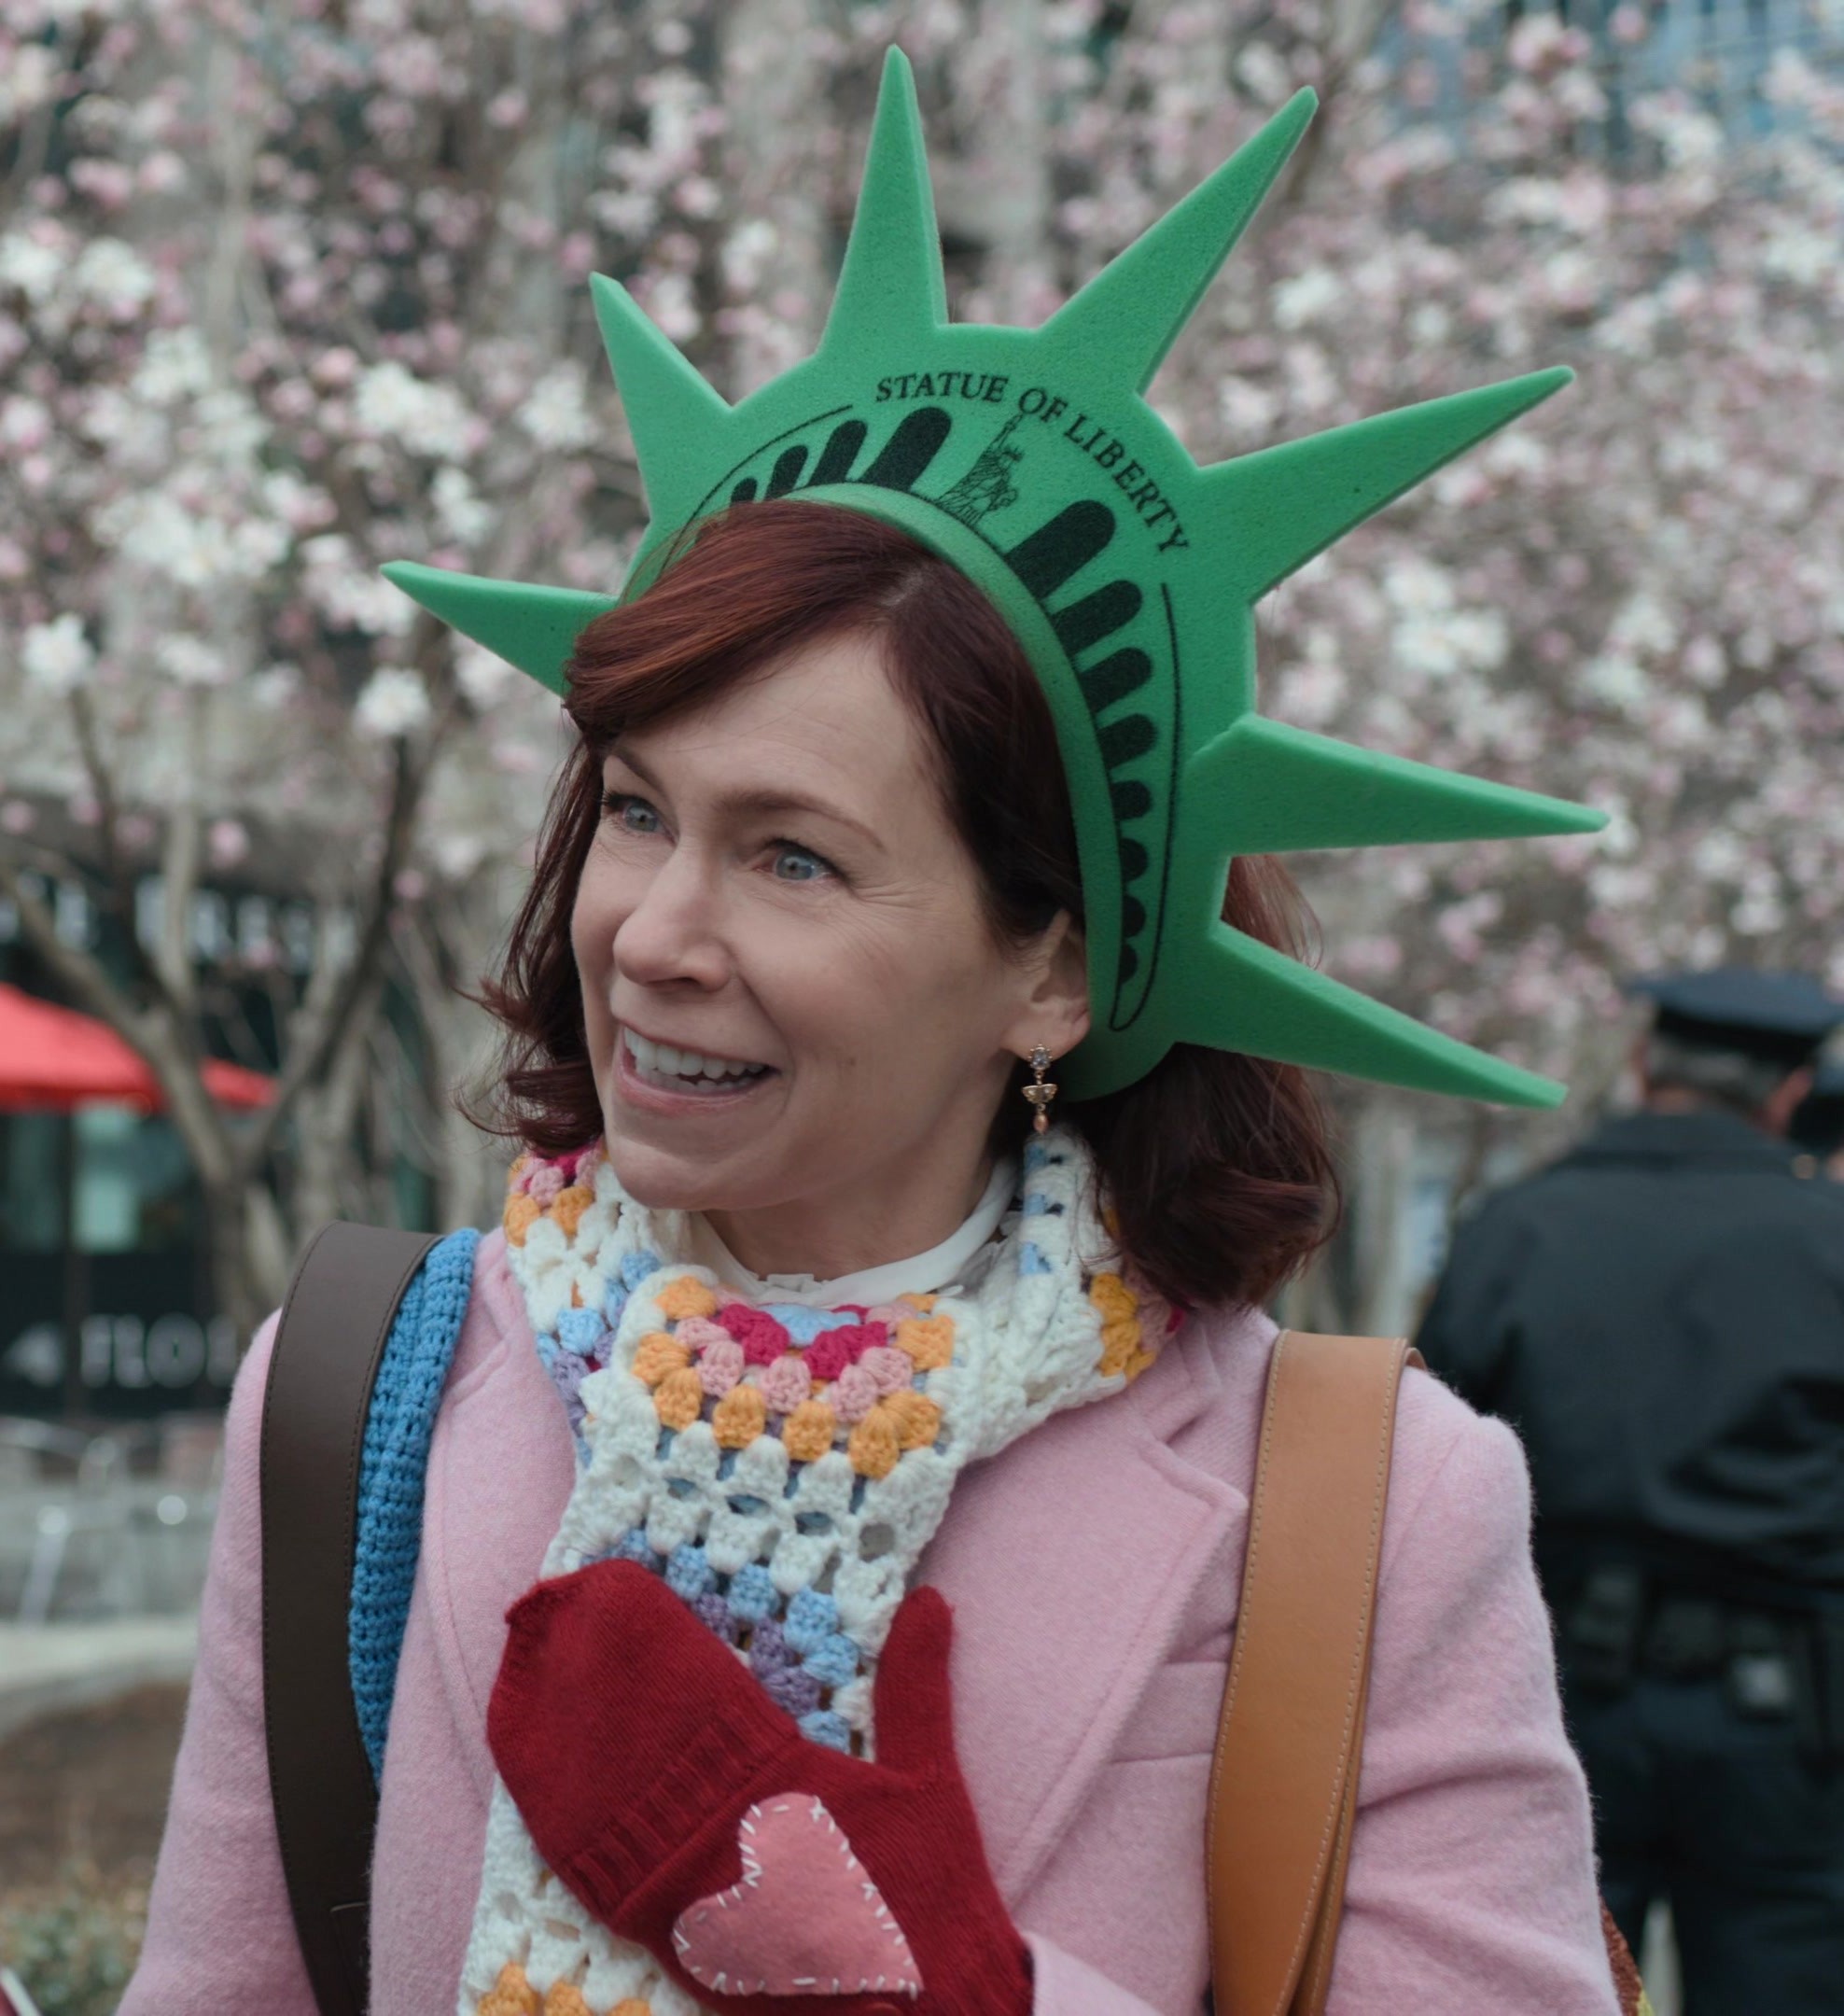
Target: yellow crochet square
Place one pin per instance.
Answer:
(741, 1415)
(1122, 1352)
(807, 1433)
(678, 1399)
(1112, 1297)
(657, 1355)
(511, 1994)
(685, 1297)
(916, 1418)
(1122, 1338)
(873, 1448)
(927, 1340)
(567, 1207)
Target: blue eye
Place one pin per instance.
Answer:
(799, 865)
(631, 813)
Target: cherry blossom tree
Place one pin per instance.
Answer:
(1630, 598)
(285, 293)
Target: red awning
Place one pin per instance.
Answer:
(53, 1058)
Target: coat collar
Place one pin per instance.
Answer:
(1074, 1561)
(1707, 1135)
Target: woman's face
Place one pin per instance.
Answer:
(790, 989)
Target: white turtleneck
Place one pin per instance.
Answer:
(920, 1274)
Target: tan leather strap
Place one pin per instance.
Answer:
(331, 1336)
(1283, 1787)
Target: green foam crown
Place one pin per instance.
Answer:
(1030, 459)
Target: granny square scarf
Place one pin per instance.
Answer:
(782, 1466)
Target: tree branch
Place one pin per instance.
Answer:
(180, 855)
(317, 1029)
(118, 883)
(84, 975)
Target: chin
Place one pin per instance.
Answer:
(662, 1180)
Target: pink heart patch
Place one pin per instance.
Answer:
(806, 1918)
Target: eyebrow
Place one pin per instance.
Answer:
(761, 799)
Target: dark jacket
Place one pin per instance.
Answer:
(1660, 1315)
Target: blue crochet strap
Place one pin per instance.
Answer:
(392, 1466)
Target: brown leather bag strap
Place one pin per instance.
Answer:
(334, 1325)
(1283, 1787)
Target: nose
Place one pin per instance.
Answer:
(671, 936)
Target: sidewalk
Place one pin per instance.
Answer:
(48, 1667)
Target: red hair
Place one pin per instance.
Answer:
(1217, 1165)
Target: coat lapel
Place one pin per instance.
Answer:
(1070, 1560)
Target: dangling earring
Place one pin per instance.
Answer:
(1040, 1094)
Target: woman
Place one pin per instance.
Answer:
(801, 1338)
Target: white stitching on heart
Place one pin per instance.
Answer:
(904, 1980)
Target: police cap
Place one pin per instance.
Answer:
(1780, 1017)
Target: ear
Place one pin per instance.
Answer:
(1637, 1063)
(1053, 1006)
(1777, 1115)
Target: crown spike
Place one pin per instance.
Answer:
(529, 625)
(891, 288)
(1273, 788)
(1275, 510)
(1130, 314)
(1260, 1001)
(671, 412)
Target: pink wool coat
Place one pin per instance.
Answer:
(1093, 1569)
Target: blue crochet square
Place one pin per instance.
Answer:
(1030, 1261)
(689, 1572)
(833, 1662)
(753, 1595)
(579, 1330)
(637, 1267)
(823, 1726)
(813, 1618)
(634, 1545)
(803, 1323)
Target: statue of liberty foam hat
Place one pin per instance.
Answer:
(1030, 459)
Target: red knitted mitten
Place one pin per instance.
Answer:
(687, 1811)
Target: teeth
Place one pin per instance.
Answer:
(663, 1061)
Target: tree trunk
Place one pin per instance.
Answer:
(775, 96)
(1383, 1140)
(998, 195)
(235, 1287)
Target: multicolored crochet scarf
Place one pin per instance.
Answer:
(782, 1466)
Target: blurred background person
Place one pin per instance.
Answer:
(1661, 1316)
(1818, 1126)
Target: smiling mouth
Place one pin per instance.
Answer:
(670, 1069)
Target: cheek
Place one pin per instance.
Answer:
(878, 988)
(595, 917)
